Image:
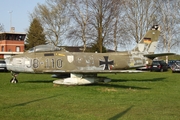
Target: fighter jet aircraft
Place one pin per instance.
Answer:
(83, 67)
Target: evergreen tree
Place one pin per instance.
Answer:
(35, 35)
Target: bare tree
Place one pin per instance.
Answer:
(54, 18)
(101, 12)
(169, 16)
(139, 16)
(117, 32)
(80, 14)
(93, 22)
(108, 22)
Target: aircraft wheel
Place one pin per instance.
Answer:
(13, 81)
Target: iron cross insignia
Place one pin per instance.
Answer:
(106, 63)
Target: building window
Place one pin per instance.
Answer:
(17, 49)
(2, 48)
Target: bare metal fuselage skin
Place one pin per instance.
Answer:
(74, 62)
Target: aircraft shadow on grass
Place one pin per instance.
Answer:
(119, 115)
(29, 102)
(97, 84)
(110, 84)
(129, 87)
(114, 84)
(38, 81)
(122, 86)
(112, 80)
(135, 80)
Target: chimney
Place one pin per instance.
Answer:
(12, 29)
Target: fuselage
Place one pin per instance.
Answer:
(74, 62)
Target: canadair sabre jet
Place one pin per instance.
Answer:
(83, 67)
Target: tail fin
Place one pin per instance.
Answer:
(148, 43)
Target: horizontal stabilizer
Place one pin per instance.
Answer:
(152, 56)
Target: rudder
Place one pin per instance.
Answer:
(148, 43)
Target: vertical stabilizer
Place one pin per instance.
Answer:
(148, 43)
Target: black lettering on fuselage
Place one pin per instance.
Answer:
(35, 63)
(47, 64)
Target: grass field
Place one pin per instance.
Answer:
(142, 96)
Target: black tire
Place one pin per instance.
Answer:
(13, 81)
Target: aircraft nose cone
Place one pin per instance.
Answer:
(8, 64)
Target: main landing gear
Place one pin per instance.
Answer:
(13, 79)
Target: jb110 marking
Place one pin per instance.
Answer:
(48, 63)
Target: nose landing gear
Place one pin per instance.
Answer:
(13, 79)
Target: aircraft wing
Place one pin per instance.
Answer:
(90, 71)
(152, 56)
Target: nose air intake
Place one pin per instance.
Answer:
(8, 65)
(14, 64)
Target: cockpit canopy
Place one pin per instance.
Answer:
(44, 48)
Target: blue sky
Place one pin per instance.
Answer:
(20, 13)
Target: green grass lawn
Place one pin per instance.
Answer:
(142, 96)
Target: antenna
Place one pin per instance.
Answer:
(10, 12)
